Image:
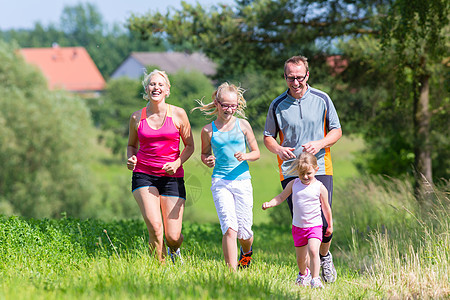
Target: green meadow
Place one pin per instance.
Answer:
(385, 245)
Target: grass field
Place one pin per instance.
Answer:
(92, 259)
(385, 245)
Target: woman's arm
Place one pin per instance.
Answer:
(207, 157)
(133, 141)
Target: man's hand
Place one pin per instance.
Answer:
(286, 153)
(312, 147)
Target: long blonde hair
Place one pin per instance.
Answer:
(147, 78)
(210, 109)
(302, 164)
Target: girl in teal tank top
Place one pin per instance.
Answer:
(224, 148)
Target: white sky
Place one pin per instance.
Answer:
(23, 14)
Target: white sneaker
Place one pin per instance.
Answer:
(175, 256)
(304, 280)
(316, 283)
(329, 273)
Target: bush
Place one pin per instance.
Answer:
(44, 138)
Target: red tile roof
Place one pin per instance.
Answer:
(69, 68)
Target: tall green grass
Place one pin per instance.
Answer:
(402, 258)
(395, 242)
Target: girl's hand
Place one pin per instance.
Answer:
(210, 161)
(171, 167)
(329, 231)
(266, 205)
(240, 156)
(131, 162)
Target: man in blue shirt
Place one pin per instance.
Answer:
(304, 119)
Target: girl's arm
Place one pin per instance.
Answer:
(207, 157)
(251, 141)
(326, 209)
(186, 137)
(133, 141)
(280, 198)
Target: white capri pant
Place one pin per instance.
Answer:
(234, 205)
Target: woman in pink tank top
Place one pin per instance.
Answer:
(154, 157)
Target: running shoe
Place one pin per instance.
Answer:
(175, 256)
(303, 280)
(245, 259)
(316, 283)
(329, 273)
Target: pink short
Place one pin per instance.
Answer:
(302, 235)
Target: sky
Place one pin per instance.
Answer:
(23, 14)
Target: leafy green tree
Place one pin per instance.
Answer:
(44, 142)
(256, 36)
(379, 105)
(399, 94)
(418, 32)
(187, 87)
(111, 112)
(82, 22)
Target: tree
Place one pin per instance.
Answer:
(187, 87)
(44, 138)
(111, 112)
(419, 33)
(378, 104)
(82, 23)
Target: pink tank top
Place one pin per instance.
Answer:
(158, 146)
(306, 204)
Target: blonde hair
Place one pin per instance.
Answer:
(210, 109)
(302, 164)
(147, 78)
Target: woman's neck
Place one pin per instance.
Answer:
(157, 107)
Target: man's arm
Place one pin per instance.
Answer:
(329, 140)
(272, 145)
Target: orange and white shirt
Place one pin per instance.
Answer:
(299, 121)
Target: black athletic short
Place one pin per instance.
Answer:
(327, 181)
(167, 186)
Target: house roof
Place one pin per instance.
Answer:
(68, 68)
(172, 62)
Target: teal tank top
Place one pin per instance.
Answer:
(224, 145)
